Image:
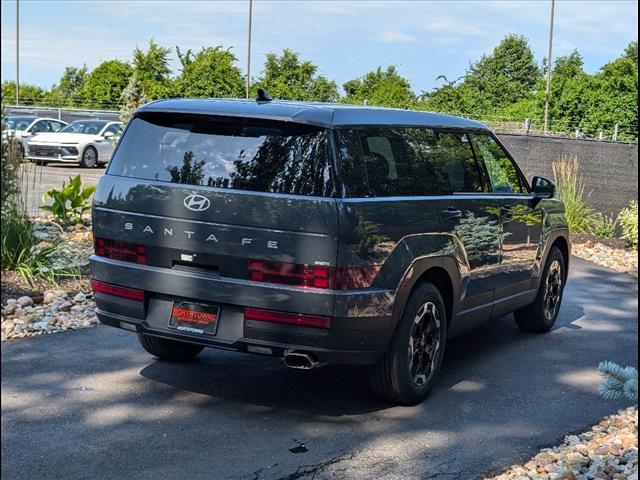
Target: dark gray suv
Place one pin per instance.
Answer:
(321, 233)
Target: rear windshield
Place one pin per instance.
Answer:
(243, 154)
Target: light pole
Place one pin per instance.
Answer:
(249, 50)
(548, 92)
(17, 52)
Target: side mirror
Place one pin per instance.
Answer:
(107, 134)
(542, 188)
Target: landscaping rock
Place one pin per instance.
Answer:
(79, 298)
(57, 315)
(608, 451)
(619, 259)
(51, 295)
(25, 301)
(65, 306)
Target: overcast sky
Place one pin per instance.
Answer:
(345, 39)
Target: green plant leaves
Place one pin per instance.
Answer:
(70, 201)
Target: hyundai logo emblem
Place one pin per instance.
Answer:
(197, 203)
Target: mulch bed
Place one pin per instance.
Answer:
(615, 243)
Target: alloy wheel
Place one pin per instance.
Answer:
(424, 343)
(553, 289)
(89, 157)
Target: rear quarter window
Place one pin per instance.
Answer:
(233, 153)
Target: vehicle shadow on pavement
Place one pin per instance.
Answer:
(337, 390)
(92, 404)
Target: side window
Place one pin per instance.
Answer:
(503, 174)
(115, 129)
(384, 162)
(350, 164)
(39, 127)
(55, 126)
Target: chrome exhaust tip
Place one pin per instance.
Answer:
(300, 360)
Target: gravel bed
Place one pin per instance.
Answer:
(28, 310)
(609, 451)
(59, 312)
(616, 258)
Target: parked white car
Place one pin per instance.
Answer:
(88, 143)
(24, 127)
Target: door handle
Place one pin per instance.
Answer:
(451, 214)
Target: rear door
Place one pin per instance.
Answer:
(209, 195)
(416, 192)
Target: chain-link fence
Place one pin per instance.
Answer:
(528, 126)
(66, 114)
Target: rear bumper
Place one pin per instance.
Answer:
(360, 320)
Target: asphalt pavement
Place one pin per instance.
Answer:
(39, 179)
(92, 404)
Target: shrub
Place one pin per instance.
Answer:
(11, 176)
(618, 381)
(628, 219)
(20, 251)
(605, 226)
(70, 202)
(570, 189)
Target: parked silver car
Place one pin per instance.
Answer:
(24, 127)
(88, 143)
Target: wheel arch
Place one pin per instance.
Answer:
(563, 245)
(441, 272)
(557, 238)
(88, 146)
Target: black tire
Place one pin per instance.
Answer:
(171, 350)
(539, 316)
(89, 158)
(40, 163)
(395, 376)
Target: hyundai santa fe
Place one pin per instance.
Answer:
(321, 234)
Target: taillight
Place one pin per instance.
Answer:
(300, 319)
(312, 276)
(117, 291)
(119, 250)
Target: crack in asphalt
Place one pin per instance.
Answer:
(313, 469)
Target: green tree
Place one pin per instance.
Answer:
(132, 97)
(105, 84)
(386, 88)
(287, 77)
(631, 51)
(209, 73)
(152, 67)
(29, 94)
(453, 97)
(70, 91)
(612, 97)
(567, 107)
(508, 75)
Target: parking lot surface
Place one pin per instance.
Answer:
(39, 179)
(91, 404)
